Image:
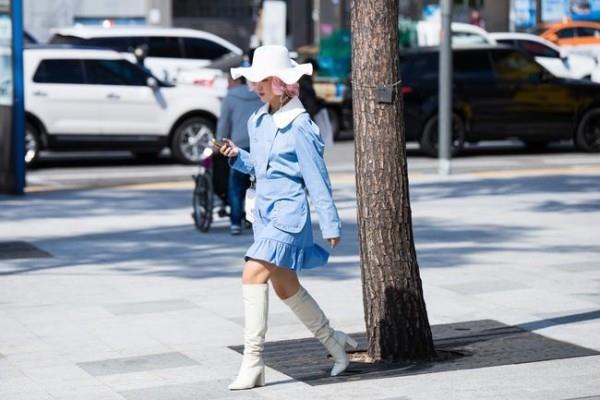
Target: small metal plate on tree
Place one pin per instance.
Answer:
(385, 94)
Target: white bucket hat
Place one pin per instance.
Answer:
(272, 61)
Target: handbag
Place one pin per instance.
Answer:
(250, 201)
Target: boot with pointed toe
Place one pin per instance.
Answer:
(336, 346)
(311, 315)
(252, 370)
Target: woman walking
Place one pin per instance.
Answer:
(286, 157)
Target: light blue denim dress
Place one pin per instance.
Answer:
(286, 157)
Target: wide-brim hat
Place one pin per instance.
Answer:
(272, 61)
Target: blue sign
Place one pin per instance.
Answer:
(432, 12)
(523, 14)
(554, 10)
(584, 10)
(577, 10)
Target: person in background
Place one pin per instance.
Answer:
(140, 53)
(237, 107)
(315, 106)
(476, 18)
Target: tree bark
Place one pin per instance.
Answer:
(395, 313)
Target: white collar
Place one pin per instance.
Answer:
(286, 114)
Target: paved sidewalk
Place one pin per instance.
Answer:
(136, 304)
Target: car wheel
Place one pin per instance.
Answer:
(587, 137)
(190, 139)
(202, 202)
(32, 144)
(429, 139)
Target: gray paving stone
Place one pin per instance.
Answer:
(395, 398)
(147, 307)
(119, 247)
(486, 286)
(579, 267)
(190, 391)
(593, 297)
(137, 364)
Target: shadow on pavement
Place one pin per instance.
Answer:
(99, 159)
(505, 187)
(158, 245)
(567, 319)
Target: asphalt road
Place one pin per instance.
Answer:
(88, 170)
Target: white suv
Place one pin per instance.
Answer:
(89, 99)
(561, 63)
(170, 50)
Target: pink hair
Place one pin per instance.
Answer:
(280, 87)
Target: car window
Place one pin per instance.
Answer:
(114, 72)
(60, 71)
(507, 42)
(537, 49)
(137, 41)
(164, 46)
(514, 66)
(203, 49)
(115, 43)
(584, 31)
(419, 67)
(66, 39)
(472, 66)
(566, 33)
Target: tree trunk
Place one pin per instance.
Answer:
(395, 313)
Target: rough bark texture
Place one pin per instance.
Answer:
(395, 313)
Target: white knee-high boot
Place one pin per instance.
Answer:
(252, 370)
(309, 312)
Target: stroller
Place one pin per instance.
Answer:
(210, 189)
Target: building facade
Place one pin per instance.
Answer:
(41, 16)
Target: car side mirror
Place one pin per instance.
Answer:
(564, 55)
(552, 37)
(152, 83)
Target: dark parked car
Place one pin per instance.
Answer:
(499, 93)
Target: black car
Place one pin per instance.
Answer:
(498, 93)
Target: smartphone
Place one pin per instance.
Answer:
(216, 143)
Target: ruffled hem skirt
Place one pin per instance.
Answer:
(286, 255)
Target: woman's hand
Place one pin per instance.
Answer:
(229, 149)
(334, 241)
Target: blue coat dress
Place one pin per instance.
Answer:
(286, 158)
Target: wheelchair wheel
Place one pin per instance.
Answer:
(203, 202)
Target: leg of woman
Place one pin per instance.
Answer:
(287, 287)
(255, 294)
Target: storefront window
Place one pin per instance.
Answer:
(5, 60)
